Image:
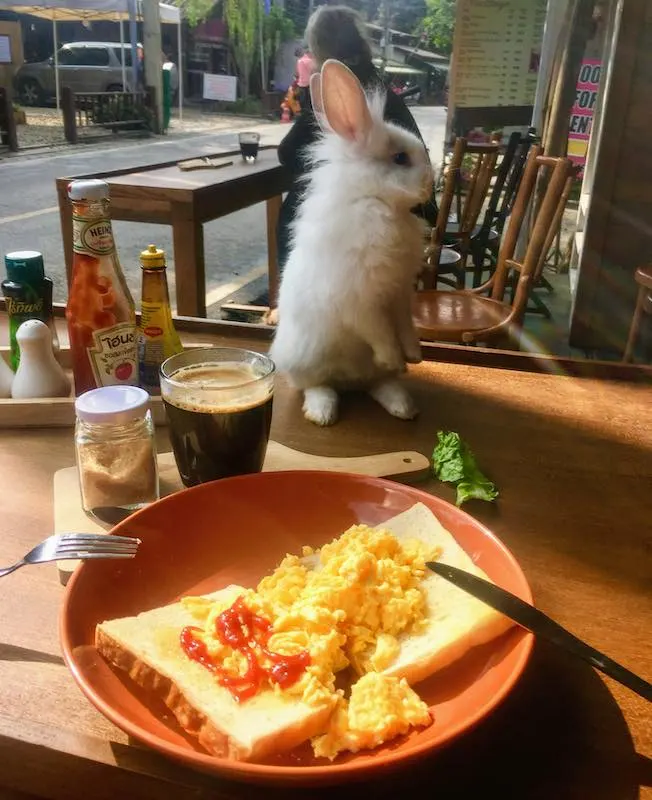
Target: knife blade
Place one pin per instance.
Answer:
(530, 618)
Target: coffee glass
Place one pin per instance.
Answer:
(249, 142)
(218, 402)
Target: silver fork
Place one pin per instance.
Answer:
(77, 545)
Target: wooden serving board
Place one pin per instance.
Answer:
(69, 517)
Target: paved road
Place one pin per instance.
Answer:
(236, 249)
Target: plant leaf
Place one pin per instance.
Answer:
(453, 462)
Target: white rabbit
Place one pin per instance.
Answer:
(344, 311)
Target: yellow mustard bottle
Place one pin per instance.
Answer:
(157, 337)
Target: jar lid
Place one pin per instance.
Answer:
(153, 258)
(116, 405)
(92, 189)
(25, 266)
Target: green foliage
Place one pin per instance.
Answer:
(277, 28)
(196, 11)
(439, 24)
(243, 18)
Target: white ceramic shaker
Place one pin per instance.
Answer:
(39, 373)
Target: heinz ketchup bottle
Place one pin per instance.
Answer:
(100, 312)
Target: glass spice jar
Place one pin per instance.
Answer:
(116, 448)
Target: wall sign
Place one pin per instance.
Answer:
(220, 87)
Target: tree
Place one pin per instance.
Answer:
(439, 24)
(243, 18)
(196, 11)
(277, 28)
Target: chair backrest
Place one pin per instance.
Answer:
(560, 171)
(438, 232)
(508, 179)
(471, 197)
(556, 222)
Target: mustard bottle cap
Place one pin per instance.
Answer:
(152, 258)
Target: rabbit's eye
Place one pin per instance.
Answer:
(402, 159)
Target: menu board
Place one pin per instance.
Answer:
(497, 52)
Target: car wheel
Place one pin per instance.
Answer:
(31, 93)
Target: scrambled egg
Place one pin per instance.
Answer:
(379, 709)
(347, 612)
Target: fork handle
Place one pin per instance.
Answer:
(13, 568)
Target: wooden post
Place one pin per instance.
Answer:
(7, 121)
(69, 114)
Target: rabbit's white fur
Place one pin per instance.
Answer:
(345, 301)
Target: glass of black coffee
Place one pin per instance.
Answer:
(218, 401)
(249, 146)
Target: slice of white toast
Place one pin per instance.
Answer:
(456, 621)
(147, 648)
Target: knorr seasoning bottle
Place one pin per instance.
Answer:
(28, 295)
(157, 337)
(100, 312)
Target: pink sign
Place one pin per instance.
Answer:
(586, 95)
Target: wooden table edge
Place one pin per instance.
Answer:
(513, 360)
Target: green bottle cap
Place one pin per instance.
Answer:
(25, 266)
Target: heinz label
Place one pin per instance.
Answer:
(113, 355)
(93, 236)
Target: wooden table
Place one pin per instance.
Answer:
(573, 460)
(163, 193)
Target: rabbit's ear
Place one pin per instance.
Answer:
(344, 102)
(317, 102)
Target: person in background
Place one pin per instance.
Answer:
(305, 68)
(334, 32)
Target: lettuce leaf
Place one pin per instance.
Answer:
(453, 462)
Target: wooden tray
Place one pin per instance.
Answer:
(58, 412)
(69, 517)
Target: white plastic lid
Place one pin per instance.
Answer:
(92, 189)
(116, 405)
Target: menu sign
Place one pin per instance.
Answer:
(497, 52)
(586, 95)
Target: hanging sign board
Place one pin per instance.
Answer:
(220, 87)
(581, 120)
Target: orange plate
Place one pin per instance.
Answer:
(237, 531)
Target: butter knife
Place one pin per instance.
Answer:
(530, 618)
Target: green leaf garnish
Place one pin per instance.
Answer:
(453, 462)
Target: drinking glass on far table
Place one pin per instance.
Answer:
(218, 401)
(249, 146)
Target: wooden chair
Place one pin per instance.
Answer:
(441, 261)
(643, 277)
(485, 239)
(470, 199)
(469, 316)
(539, 282)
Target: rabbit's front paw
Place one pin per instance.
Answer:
(320, 405)
(395, 399)
(389, 360)
(413, 353)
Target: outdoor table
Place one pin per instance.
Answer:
(165, 194)
(572, 458)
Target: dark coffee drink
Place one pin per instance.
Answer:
(249, 150)
(249, 142)
(219, 417)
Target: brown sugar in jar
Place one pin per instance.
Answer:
(115, 447)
